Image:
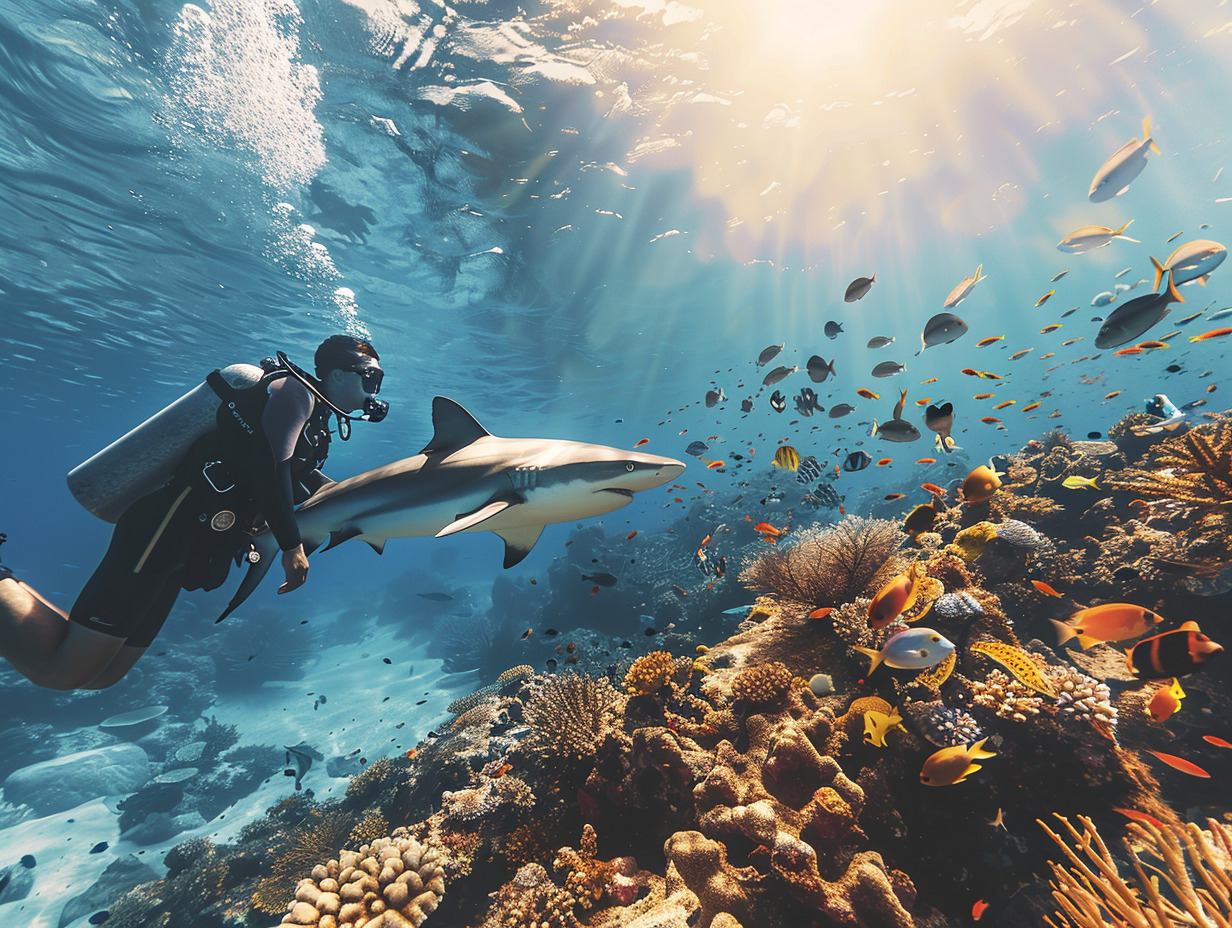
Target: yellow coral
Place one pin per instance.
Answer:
(650, 673)
(520, 672)
(763, 684)
(969, 543)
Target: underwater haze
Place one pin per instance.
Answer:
(771, 240)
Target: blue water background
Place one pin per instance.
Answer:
(575, 219)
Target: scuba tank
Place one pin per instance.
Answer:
(145, 459)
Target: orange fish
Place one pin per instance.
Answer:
(410, 755)
(983, 342)
(1217, 741)
(924, 402)
(981, 484)
(1151, 345)
(1180, 763)
(1052, 327)
(680, 591)
(983, 396)
(929, 380)
(526, 634)
(1136, 816)
(1166, 701)
(867, 394)
(594, 591)
(1045, 357)
(1109, 622)
(989, 420)
(1214, 333)
(705, 541)
(767, 529)
(895, 598)
(1030, 406)
(927, 461)
(978, 910)
(970, 372)
(891, 496)
(821, 613)
(642, 442)
(884, 461)
(1043, 299)
(1006, 403)
(1125, 351)
(632, 534)
(1109, 396)
(932, 488)
(713, 464)
(1045, 588)
(1212, 388)
(1018, 354)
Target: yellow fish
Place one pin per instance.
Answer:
(877, 724)
(1019, 663)
(939, 674)
(1074, 482)
(787, 458)
(1051, 327)
(954, 764)
(1044, 299)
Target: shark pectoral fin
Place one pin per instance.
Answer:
(486, 511)
(518, 542)
(378, 546)
(345, 534)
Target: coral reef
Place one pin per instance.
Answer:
(568, 716)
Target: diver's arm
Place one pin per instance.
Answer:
(284, 418)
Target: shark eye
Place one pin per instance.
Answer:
(629, 467)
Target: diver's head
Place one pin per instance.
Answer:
(350, 374)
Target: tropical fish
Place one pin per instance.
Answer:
(1044, 299)
(767, 529)
(715, 465)
(1108, 622)
(1217, 741)
(641, 442)
(888, 369)
(953, 764)
(1136, 816)
(884, 461)
(714, 397)
(778, 374)
(868, 394)
(819, 369)
(858, 288)
(1074, 482)
(1166, 701)
(981, 484)
(1172, 654)
(927, 461)
(1114, 175)
(746, 405)
(920, 519)
(894, 598)
(989, 420)
(806, 402)
(769, 354)
(1018, 354)
(911, 649)
(821, 613)
(964, 288)
(880, 341)
(1005, 404)
(840, 410)
(895, 430)
(1051, 327)
(991, 340)
(941, 329)
(603, 578)
(1128, 321)
(1218, 314)
(787, 458)
(857, 460)
(1214, 333)
(1088, 238)
(832, 329)
(1191, 261)
(1190, 318)
(808, 470)
(1181, 764)
(878, 724)
(1019, 663)
(778, 402)
(934, 677)
(1105, 298)
(696, 448)
(978, 908)
(1045, 588)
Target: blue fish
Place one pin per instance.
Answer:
(833, 328)
(697, 448)
(912, 649)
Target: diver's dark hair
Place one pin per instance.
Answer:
(338, 352)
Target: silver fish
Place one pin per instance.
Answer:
(1127, 322)
(1103, 299)
(842, 409)
(880, 341)
(1114, 176)
(778, 374)
(1088, 238)
(769, 354)
(888, 369)
(896, 430)
(941, 329)
(1191, 261)
(964, 288)
(858, 288)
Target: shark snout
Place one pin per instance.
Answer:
(653, 472)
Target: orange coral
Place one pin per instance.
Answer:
(650, 673)
(764, 684)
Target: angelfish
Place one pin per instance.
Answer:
(940, 419)
(1114, 175)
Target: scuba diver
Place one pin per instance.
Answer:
(188, 489)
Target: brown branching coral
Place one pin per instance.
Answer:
(569, 715)
(1191, 885)
(1194, 468)
(370, 778)
(318, 838)
(828, 566)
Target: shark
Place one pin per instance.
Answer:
(467, 480)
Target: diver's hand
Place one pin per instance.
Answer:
(295, 566)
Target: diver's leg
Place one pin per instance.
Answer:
(137, 643)
(31, 629)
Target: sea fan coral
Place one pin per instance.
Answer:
(1192, 887)
(569, 715)
(828, 566)
(315, 840)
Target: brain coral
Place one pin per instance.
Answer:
(764, 684)
(393, 882)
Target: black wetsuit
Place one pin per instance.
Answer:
(185, 534)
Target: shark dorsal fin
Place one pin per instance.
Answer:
(452, 427)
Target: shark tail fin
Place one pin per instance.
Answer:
(1160, 271)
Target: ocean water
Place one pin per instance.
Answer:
(576, 219)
